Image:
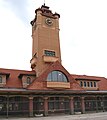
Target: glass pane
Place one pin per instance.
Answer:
(57, 104)
(60, 77)
(49, 78)
(91, 84)
(28, 80)
(53, 53)
(66, 105)
(94, 84)
(56, 98)
(64, 78)
(51, 105)
(54, 76)
(81, 83)
(51, 98)
(84, 84)
(49, 53)
(88, 84)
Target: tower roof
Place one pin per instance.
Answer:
(45, 11)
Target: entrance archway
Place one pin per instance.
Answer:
(3, 106)
(18, 105)
(77, 104)
(38, 105)
(58, 105)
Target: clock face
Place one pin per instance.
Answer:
(49, 21)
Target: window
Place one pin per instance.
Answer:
(91, 84)
(84, 84)
(49, 53)
(58, 103)
(94, 84)
(0, 79)
(88, 84)
(28, 80)
(81, 83)
(54, 76)
(60, 77)
(57, 76)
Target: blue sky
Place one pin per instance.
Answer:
(83, 34)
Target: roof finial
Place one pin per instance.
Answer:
(44, 2)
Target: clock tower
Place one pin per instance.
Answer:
(45, 36)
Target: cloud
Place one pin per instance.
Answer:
(19, 8)
(15, 35)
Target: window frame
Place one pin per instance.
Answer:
(49, 53)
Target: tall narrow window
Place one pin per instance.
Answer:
(94, 84)
(91, 84)
(81, 83)
(88, 84)
(84, 84)
(0, 79)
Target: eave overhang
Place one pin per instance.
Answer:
(21, 75)
(50, 92)
(89, 79)
(14, 90)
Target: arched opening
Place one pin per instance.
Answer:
(105, 103)
(18, 105)
(94, 104)
(90, 104)
(57, 76)
(3, 106)
(77, 104)
(38, 105)
(100, 103)
(58, 105)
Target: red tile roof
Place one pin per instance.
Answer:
(102, 82)
(13, 81)
(86, 77)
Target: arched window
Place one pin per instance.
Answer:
(94, 84)
(0, 79)
(85, 84)
(28, 80)
(57, 76)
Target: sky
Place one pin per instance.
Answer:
(83, 34)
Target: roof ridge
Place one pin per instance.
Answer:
(7, 69)
(88, 76)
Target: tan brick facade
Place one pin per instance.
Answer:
(45, 37)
